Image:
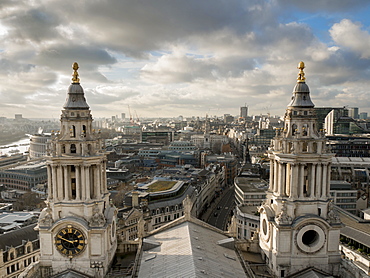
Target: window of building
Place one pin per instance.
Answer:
(73, 131)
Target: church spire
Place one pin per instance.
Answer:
(76, 97)
(301, 93)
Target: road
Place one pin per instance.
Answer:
(222, 210)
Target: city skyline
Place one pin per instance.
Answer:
(166, 59)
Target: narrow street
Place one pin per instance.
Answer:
(220, 211)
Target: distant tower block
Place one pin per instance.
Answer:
(244, 112)
(299, 228)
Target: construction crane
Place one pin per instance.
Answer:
(137, 117)
(129, 111)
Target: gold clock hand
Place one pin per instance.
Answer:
(66, 239)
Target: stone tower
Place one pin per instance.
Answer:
(78, 227)
(298, 227)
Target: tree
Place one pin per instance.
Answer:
(28, 201)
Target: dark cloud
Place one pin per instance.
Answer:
(63, 55)
(325, 5)
(177, 56)
(31, 25)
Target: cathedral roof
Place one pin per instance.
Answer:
(190, 250)
(76, 97)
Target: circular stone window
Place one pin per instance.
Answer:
(265, 226)
(310, 238)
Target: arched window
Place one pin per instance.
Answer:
(294, 129)
(304, 147)
(305, 130)
(73, 131)
(314, 146)
(73, 148)
(63, 149)
(84, 131)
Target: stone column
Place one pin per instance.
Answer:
(318, 180)
(96, 181)
(50, 183)
(312, 182)
(294, 182)
(83, 183)
(301, 181)
(282, 171)
(324, 180)
(60, 183)
(54, 182)
(271, 185)
(66, 183)
(288, 179)
(104, 177)
(328, 178)
(276, 175)
(99, 181)
(87, 182)
(78, 182)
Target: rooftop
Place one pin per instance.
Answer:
(351, 160)
(189, 250)
(15, 238)
(159, 185)
(355, 227)
(250, 184)
(18, 217)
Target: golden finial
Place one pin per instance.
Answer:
(301, 77)
(75, 78)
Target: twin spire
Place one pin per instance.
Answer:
(300, 77)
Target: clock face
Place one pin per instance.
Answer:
(70, 241)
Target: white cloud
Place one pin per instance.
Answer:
(349, 35)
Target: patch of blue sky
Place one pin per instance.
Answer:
(197, 56)
(321, 22)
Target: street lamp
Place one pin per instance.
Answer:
(97, 266)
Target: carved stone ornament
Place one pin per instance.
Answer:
(283, 218)
(333, 217)
(98, 219)
(46, 218)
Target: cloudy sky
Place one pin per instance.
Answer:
(175, 57)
